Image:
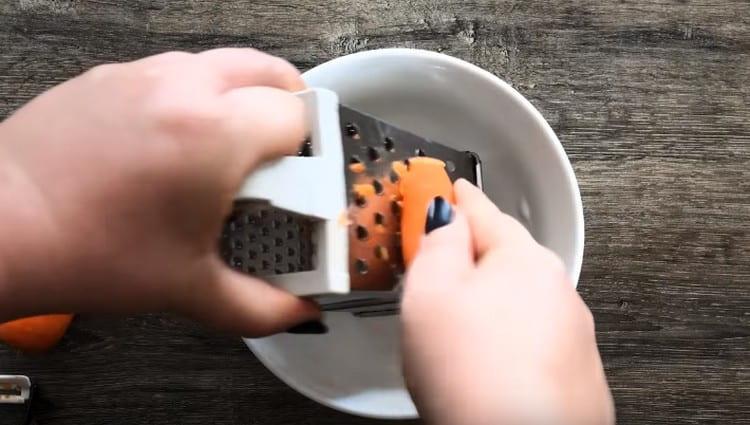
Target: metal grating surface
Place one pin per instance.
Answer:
(261, 240)
(371, 147)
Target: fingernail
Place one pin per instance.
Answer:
(439, 213)
(313, 327)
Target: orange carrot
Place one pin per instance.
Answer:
(35, 334)
(419, 183)
(357, 168)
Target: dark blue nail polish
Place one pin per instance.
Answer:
(439, 213)
(313, 327)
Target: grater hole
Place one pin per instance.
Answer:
(361, 266)
(356, 165)
(395, 208)
(352, 131)
(306, 148)
(373, 154)
(394, 177)
(360, 200)
(379, 219)
(388, 144)
(361, 232)
(450, 166)
(419, 152)
(381, 253)
(377, 186)
(407, 163)
(247, 247)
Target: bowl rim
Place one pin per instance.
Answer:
(481, 74)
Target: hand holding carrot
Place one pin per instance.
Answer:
(493, 330)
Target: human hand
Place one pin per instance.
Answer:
(114, 186)
(493, 330)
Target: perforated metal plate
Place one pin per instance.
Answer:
(371, 147)
(261, 240)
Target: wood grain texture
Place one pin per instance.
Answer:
(650, 99)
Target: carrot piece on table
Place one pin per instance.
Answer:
(35, 334)
(420, 182)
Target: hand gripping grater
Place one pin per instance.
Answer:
(325, 223)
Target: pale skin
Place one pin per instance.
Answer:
(114, 186)
(492, 327)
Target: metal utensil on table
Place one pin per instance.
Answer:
(16, 396)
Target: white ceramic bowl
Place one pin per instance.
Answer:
(355, 368)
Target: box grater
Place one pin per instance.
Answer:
(325, 223)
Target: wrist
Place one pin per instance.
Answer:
(23, 227)
(526, 398)
(488, 397)
(10, 183)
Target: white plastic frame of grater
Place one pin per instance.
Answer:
(278, 183)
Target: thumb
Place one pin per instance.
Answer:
(242, 304)
(445, 255)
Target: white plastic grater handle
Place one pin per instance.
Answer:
(313, 186)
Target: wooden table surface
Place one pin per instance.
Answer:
(649, 98)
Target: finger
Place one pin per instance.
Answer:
(262, 123)
(444, 257)
(490, 228)
(247, 306)
(166, 58)
(238, 67)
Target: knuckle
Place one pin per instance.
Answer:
(293, 118)
(171, 56)
(287, 128)
(172, 115)
(587, 319)
(245, 51)
(161, 69)
(280, 67)
(102, 72)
